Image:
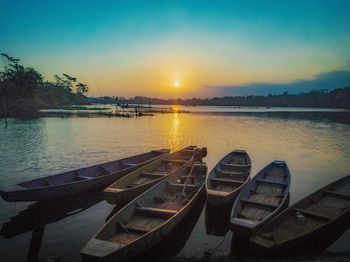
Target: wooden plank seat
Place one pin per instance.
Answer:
(337, 194)
(121, 227)
(178, 185)
(138, 182)
(313, 214)
(254, 192)
(81, 177)
(104, 170)
(256, 203)
(180, 161)
(109, 169)
(156, 211)
(234, 165)
(226, 180)
(128, 164)
(267, 181)
(229, 173)
(152, 175)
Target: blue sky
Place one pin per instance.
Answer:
(141, 47)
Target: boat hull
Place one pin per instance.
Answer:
(245, 231)
(118, 193)
(245, 227)
(312, 242)
(107, 246)
(146, 242)
(17, 193)
(120, 197)
(215, 199)
(38, 194)
(328, 222)
(218, 198)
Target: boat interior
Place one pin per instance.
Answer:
(148, 174)
(154, 208)
(309, 214)
(181, 155)
(230, 173)
(269, 189)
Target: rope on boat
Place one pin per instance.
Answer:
(212, 251)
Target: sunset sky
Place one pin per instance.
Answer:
(182, 48)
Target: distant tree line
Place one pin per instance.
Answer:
(23, 90)
(338, 98)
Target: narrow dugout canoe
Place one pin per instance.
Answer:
(149, 218)
(228, 178)
(265, 196)
(80, 180)
(138, 181)
(306, 224)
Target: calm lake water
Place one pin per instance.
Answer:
(317, 152)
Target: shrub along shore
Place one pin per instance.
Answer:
(23, 90)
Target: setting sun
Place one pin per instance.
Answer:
(176, 84)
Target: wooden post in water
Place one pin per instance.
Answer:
(3, 106)
(150, 105)
(35, 243)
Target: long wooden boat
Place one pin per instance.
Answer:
(265, 196)
(228, 178)
(80, 180)
(311, 220)
(138, 181)
(149, 218)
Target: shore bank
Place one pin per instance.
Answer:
(324, 256)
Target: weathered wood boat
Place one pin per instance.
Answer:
(228, 178)
(265, 196)
(149, 218)
(80, 180)
(309, 221)
(138, 181)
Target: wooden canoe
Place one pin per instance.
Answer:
(228, 178)
(149, 218)
(80, 180)
(265, 196)
(138, 181)
(311, 220)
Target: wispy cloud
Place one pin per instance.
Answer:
(325, 80)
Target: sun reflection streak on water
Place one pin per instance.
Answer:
(175, 132)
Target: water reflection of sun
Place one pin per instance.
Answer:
(175, 108)
(175, 132)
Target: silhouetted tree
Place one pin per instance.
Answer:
(82, 89)
(17, 84)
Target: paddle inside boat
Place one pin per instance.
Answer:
(228, 178)
(266, 195)
(80, 180)
(142, 179)
(310, 221)
(149, 218)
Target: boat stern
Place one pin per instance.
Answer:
(261, 246)
(242, 227)
(112, 195)
(100, 250)
(12, 193)
(217, 198)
